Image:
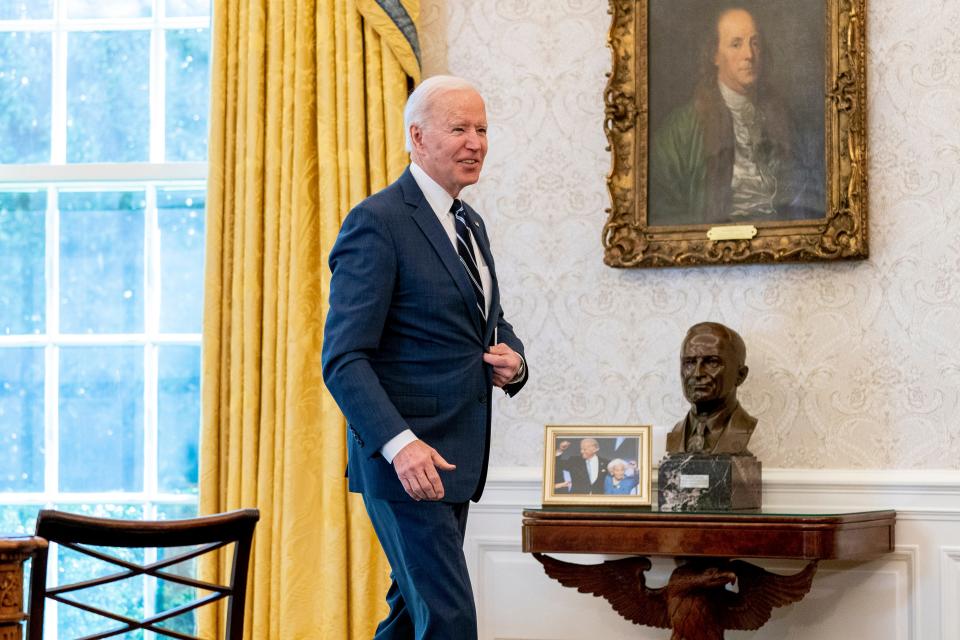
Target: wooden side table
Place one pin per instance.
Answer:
(696, 603)
(13, 553)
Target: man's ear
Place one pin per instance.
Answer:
(742, 374)
(416, 136)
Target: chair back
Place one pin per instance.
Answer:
(199, 535)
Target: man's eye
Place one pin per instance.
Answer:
(482, 131)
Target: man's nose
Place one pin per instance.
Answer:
(473, 140)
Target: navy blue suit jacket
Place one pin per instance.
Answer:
(403, 343)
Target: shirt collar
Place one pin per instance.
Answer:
(437, 197)
(734, 101)
(714, 421)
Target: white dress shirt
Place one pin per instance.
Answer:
(754, 185)
(593, 468)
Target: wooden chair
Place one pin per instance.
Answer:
(201, 535)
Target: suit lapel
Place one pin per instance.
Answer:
(426, 219)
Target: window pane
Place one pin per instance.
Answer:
(19, 520)
(181, 220)
(108, 93)
(101, 261)
(24, 97)
(21, 419)
(101, 419)
(178, 419)
(105, 510)
(188, 68)
(188, 8)
(176, 511)
(23, 9)
(108, 8)
(22, 295)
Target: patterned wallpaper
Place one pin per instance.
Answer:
(851, 365)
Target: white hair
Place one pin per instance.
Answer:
(420, 101)
(616, 462)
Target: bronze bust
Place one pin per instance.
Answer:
(712, 366)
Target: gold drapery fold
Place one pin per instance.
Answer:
(307, 120)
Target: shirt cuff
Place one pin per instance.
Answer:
(522, 371)
(394, 444)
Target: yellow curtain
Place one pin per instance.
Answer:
(307, 111)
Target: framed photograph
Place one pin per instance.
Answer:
(591, 465)
(737, 132)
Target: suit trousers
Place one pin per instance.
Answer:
(430, 596)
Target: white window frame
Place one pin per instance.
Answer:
(142, 176)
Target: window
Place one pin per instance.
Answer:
(103, 148)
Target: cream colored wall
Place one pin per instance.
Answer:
(852, 365)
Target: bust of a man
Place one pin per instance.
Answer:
(712, 366)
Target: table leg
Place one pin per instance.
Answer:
(13, 553)
(695, 603)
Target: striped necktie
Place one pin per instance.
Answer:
(467, 257)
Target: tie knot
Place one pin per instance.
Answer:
(456, 206)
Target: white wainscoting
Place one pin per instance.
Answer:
(910, 594)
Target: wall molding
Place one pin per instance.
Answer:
(949, 591)
(916, 495)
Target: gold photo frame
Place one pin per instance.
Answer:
(671, 202)
(591, 465)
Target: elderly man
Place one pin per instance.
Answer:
(712, 366)
(728, 155)
(415, 339)
(589, 471)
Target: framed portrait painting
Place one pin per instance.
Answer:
(591, 465)
(737, 132)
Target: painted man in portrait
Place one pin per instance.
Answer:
(730, 153)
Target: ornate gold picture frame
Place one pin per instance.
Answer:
(591, 465)
(672, 203)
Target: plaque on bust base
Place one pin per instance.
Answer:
(709, 482)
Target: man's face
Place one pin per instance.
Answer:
(738, 51)
(588, 449)
(451, 145)
(709, 368)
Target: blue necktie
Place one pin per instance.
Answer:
(467, 257)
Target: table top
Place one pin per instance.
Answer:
(774, 533)
(21, 544)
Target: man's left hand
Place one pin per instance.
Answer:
(505, 362)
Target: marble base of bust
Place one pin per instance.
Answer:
(705, 482)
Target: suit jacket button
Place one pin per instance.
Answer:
(482, 398)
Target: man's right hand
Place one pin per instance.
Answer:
(416, 466)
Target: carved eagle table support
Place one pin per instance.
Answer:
(695, 603)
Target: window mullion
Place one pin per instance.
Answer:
(151, 272)
(158, 48)
(58, 93)
(51, 385)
